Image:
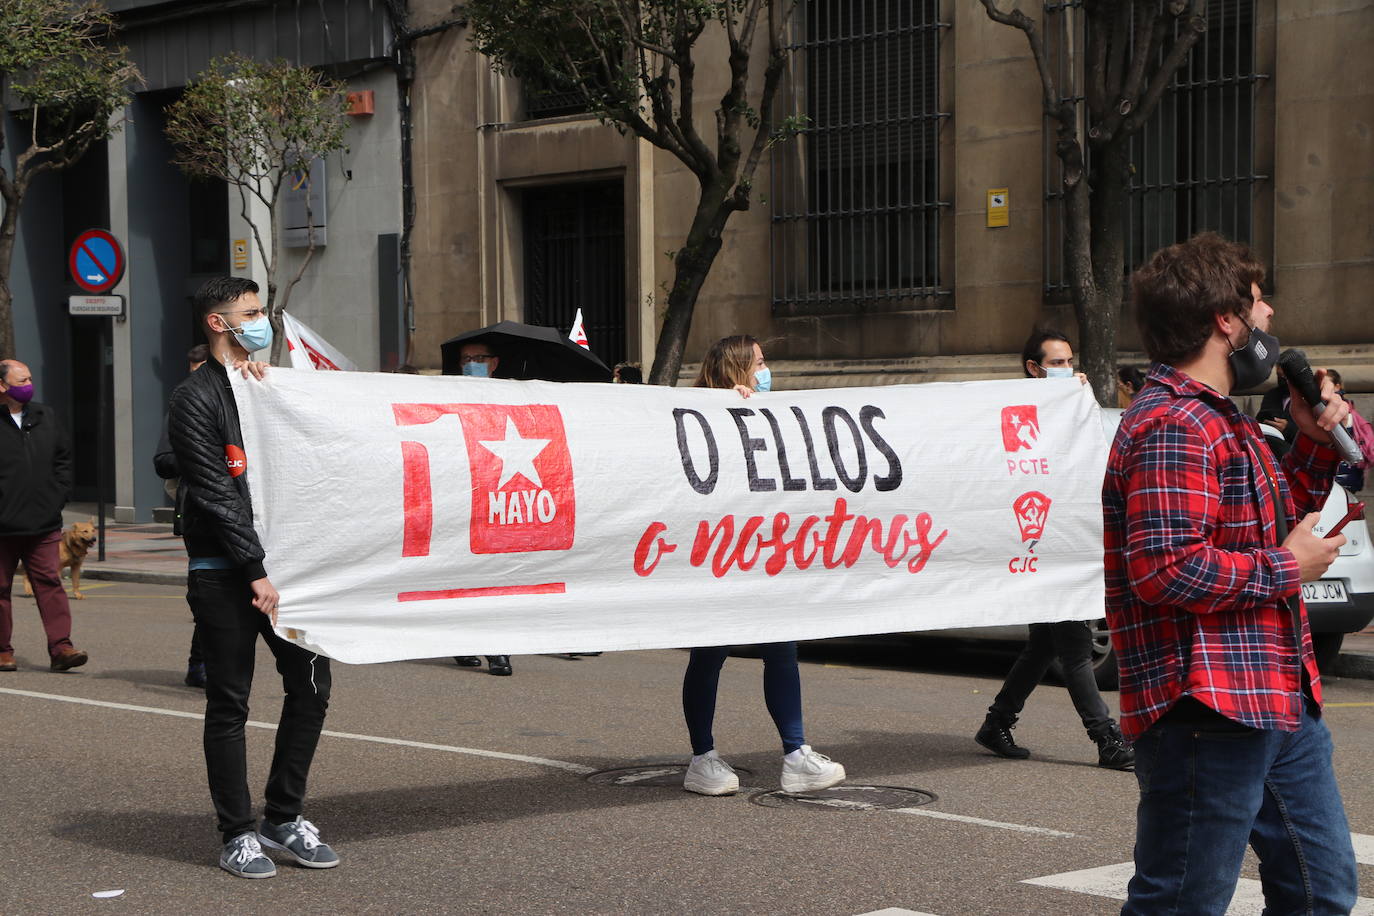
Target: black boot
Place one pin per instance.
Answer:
(499, 665)
(468, 661)
(1112, 752)
(995, 735)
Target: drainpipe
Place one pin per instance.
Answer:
(404, 55)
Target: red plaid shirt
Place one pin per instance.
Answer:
(1195, 579)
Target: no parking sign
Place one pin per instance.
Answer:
(96, 261)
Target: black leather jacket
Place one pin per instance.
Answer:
(216, 513)
(35, 471)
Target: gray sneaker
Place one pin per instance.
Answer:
(243, 856)
(300, 840)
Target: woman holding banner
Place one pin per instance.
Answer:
(737, 362)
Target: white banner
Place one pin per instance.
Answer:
(311, 351)
(420, 516)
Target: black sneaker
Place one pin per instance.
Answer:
(467, 661)
(995, 735)
(499, 665)
(299, 839)
(1112, 752)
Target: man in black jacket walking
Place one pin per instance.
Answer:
(35, 481)
(234, 602)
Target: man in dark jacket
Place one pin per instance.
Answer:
(234, 602)
(35, 481)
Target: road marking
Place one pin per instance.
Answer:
(1344, 705)
(896, 911)
(980, 822)
(374, 739)
(1110, 881)
(1364, 848)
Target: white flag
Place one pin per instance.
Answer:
(578, 334)
(311, 351)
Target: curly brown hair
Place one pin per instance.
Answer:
(1183, 287)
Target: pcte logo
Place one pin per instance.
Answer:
(1020, 427)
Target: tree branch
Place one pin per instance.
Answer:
(1193, 29)
(1017, 19)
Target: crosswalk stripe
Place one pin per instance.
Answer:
(1364, 848)
(1110, 881)
(896, 911)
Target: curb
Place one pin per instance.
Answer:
(114, 574)
(1354, 666)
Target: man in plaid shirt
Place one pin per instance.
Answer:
(1205, 556)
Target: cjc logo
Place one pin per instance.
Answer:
(522, 484)
(1031, 509)
(1020, 427)
(235, 460)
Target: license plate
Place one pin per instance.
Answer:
(1324, 591)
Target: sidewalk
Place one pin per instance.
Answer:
(149, 552)
(145, 552)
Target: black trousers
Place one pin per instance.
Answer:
(1071, 641)
(227, 628)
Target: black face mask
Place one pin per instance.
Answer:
(1253, 360)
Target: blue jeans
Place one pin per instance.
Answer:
(1206, 790)
(781, 693)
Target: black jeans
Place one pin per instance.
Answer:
(1072, 642)
(227, 628)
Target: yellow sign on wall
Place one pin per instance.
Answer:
(240, 247)
(999, 207)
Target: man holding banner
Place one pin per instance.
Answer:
(1205, 556)
(234, 602)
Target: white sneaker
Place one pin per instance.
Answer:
(809, 771)
(709, 775)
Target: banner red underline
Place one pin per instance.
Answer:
(547, 588)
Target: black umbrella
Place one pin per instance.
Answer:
(529, 352)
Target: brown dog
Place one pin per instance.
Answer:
(76, 543)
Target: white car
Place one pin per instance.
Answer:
(1340, 602)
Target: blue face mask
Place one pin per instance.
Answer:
(254, 335)
(763, 379)
(1058, 371)
(475, 370)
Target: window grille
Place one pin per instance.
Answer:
(1193, 163)
(856, 206)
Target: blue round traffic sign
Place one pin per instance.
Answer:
(96, 261)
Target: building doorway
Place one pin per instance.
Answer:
(575, 258)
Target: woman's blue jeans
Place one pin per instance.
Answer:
(1207, 791)
(781, 693)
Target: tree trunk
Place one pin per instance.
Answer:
(8, 226)
(691, 267)
(1099, 316)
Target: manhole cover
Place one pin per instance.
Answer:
(656, 775)
(849, 798)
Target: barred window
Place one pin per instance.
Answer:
(855, 198)
(1193, 163)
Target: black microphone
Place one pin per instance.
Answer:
(1293, 362)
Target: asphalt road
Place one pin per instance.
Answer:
(433, 819)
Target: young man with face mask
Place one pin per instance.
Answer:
(233, 601)
(1208, 540)
(1047, 354)
(35, 481)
